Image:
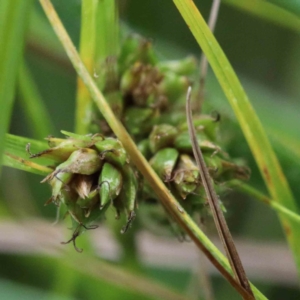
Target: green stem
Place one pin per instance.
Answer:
(178, 213)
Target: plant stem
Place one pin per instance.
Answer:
(167, 199)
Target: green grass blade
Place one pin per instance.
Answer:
(268, 11)
(251, 191)
(248, 120)
(35, 111)
(107, 30)
(15, 155)
(13, 24)
(87, 53)
(289, 5)
(107, 43)
(177, 212)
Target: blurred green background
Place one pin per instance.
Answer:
(266, 58)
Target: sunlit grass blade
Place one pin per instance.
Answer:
(35, 111)
(268, 11)
(87, 47)
(170, 203)
(13, 26)
(248, 120)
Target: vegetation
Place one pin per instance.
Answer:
(131, 145)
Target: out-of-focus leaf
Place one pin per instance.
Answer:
(16, 156)
(268, 11)
(289, 5)
(12, 30)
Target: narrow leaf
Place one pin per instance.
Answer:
(213, 202)
(13, 24)
(87, 54)
(269, 12)
(248, 120)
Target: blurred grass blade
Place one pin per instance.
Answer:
(170, 203)
(87, 53)
(107, 46)
(290, 5)
(251, 191)
(107, 30)
(35, 110)
(248, 120)
(16, 162)
(15, 155)
(13, 23)
(213, 201)
(269, 12)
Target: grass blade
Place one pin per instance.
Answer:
(15, 155)
(248, 120)
(213, 202)
(87, 53)
(249, 190)
(178, 213)
(268, 11)
(289, 5)
(13, 24)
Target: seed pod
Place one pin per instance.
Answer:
(127, 199)
(186, 176)
(82, 184)
(140, 82)
(135, 49)
(139, 121)
(88, 137)
(186, 66)
(173, 86)
(115, 101)
(112, 151)
(163, 162)
(83, 161)
(144, 148)
(69, 198)
(205, 123)
(162, 136)
(57, 183)
(183, 143)
(111, 183)
(63, 148)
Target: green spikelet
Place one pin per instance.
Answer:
(93, 172)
